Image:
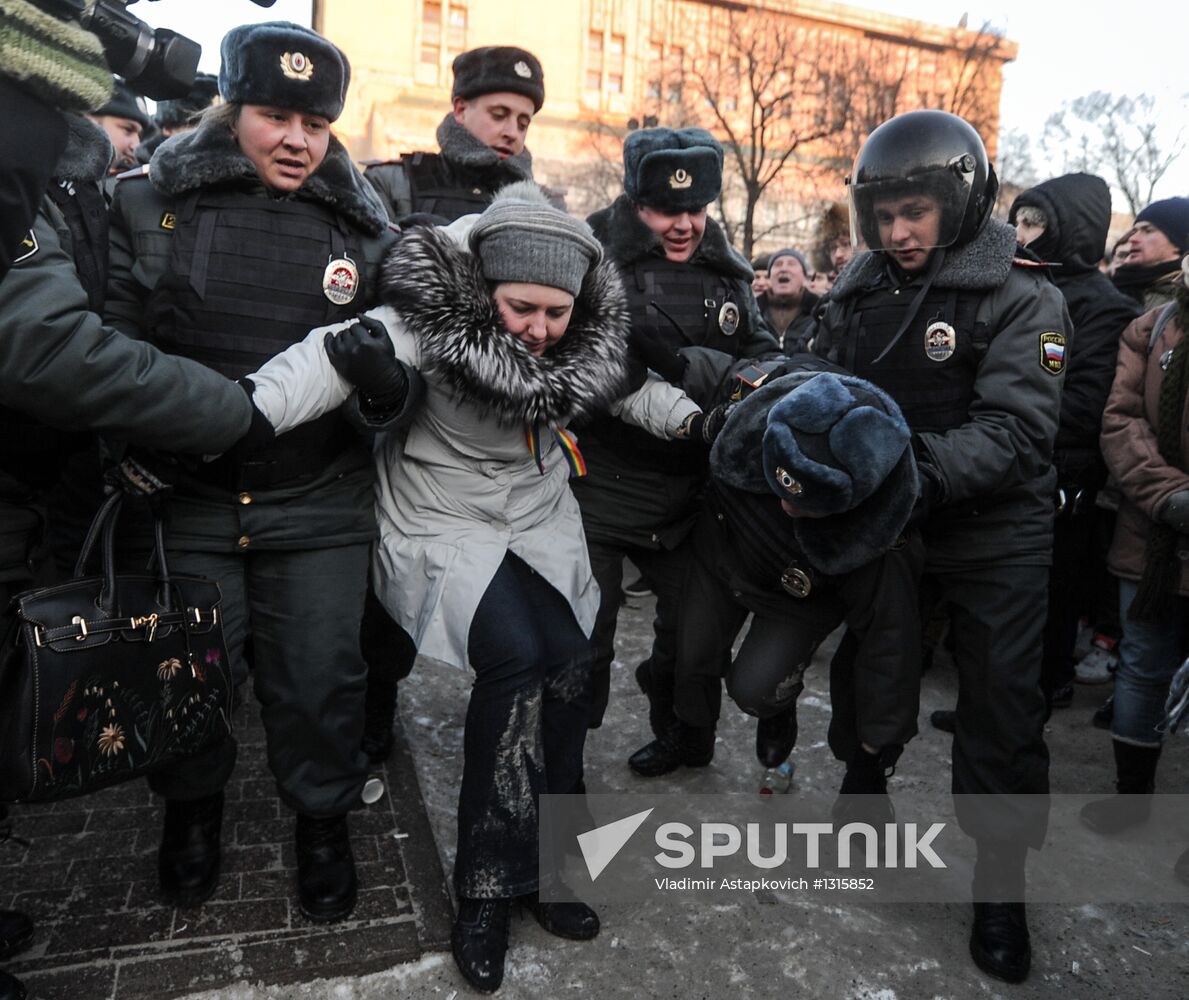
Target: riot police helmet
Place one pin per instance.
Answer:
(930, 153)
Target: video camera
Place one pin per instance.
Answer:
(157, 62)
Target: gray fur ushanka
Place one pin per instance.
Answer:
(444, 300)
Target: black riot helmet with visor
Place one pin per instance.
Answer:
(932, 153)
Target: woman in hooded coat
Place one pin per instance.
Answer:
(516, 329)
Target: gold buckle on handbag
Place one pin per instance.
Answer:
(149, 621)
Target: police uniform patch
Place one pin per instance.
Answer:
(1052, 352)
(297, 66)
(169, 221)
(941, 340)
(29, 246)
(681, 180)
(728, 318)
(340, 280)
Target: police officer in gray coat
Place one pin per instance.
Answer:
(971, 344)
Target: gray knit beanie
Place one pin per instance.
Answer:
(521, 237)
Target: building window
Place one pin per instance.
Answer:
(443, 30)
(594, 60)
(431, 32)
(456, 36)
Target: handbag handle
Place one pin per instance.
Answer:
(104, 525)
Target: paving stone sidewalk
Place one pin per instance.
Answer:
(85, 870)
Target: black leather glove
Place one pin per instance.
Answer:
(363, 354)
(260, 431)
(705, 426)
(1175, 512)
(929, 485)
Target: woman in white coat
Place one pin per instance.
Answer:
(515, 329)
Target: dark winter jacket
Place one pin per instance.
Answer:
(327, 503)
(466, 163)
(634, 500)
(795, 338)
(996, 484)
(1078, 207)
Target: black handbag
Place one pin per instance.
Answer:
(104, 679)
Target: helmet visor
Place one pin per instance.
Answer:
(908, 214)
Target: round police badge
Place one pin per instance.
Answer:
(728, 318)
(521, 69)
(297, 66)
(340, 280)
(940, 341)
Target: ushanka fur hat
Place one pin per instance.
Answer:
(498, 69)
(835, 447)
(284, 65)
(675, 170)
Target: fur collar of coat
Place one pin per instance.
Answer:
(210, 155)
(626, 240)
(87, 153)
(443, 299)
(463, 150)
(980, 265)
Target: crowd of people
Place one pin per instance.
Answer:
(422, 409)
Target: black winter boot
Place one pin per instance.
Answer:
(326, 879)
(1135, 770)
(777, 735)
(11, 988)
(999, 941)
(681, 744)
(568, 919)
(16, 932)
(191, 852)
(480, 941)
(659, 692)
(863, 796)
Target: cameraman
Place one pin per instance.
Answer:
(59, 367)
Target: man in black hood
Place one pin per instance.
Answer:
(1064, 221)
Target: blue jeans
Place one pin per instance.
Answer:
(525, 728)
(1149, 655)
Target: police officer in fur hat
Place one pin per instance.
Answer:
(693, 317)
(181, 114)
(812, 485)
(971, 344)
(245, 234)
(497, 91)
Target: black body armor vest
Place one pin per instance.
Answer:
(931, 370)
(435, 189)
(244, 282)
(684, 305)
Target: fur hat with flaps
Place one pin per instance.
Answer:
(498, 69)
(284, 65)
(521, 237)
(675, 170)
(835, 447)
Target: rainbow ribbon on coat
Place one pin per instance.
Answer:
(565, 441)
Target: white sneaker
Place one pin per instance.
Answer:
(1097, 666)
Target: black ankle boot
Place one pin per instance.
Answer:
(776, 736)
(326, 880)
(681, 744)
(568, 919)
(480, 941)
(1135, 770)
(16, 932)
(999, 941)
(191, 852)
(11, 988)
(660, 699)
(863, 796)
